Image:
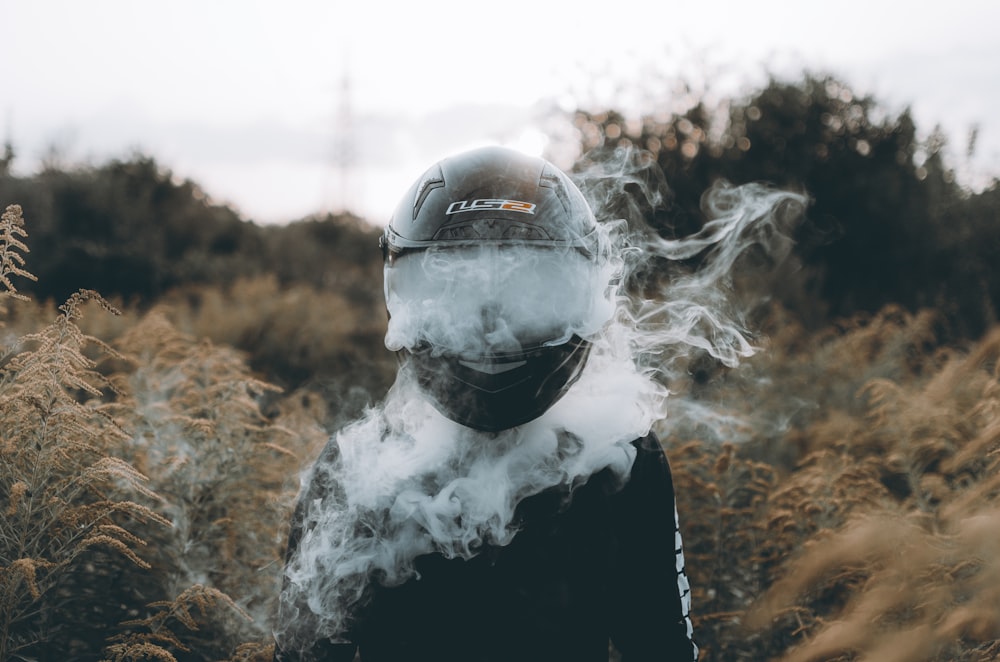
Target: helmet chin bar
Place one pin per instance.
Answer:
(495, 393)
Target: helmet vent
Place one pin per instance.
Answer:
(520, 231)
(430, 182)
(459, 233)
(550, 180)
(491, 229)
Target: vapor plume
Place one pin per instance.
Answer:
(405, 481)
(686, 302)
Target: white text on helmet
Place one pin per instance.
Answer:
(491, 203)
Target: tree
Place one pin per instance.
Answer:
(878, 223)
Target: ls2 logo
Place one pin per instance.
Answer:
(484, 204)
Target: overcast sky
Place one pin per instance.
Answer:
(248, 97)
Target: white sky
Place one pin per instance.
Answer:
(245, 97)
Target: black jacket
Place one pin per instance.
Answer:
(607, 566)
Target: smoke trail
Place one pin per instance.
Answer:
(405, 481)
(685, 303)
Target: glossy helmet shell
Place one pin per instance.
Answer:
(492, 196)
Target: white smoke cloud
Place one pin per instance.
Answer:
(688, 299)
(405, 481)
(489, 298)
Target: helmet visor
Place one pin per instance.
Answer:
(491, 299)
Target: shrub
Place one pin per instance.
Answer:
(94, 555)
(71, 503)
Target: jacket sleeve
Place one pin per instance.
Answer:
(322, 650)
(652, 598)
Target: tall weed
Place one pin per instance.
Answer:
(222, 469)
(72, 507)
(906, 569)
(93, 555)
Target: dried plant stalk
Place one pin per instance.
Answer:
(68, 493)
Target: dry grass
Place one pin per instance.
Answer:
(182, 565)
(12, 233)
(300, 333)
(67, 491)
(215, 460)
(865, 528)
(147, 474)
(153, 636)
(915, 565)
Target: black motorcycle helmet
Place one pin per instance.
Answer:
(491, 273)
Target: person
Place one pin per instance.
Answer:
(507, 502)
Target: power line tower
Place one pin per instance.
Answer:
(340, 194)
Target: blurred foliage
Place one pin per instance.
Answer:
(137, 234)
(129, 228)
(888, 222)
